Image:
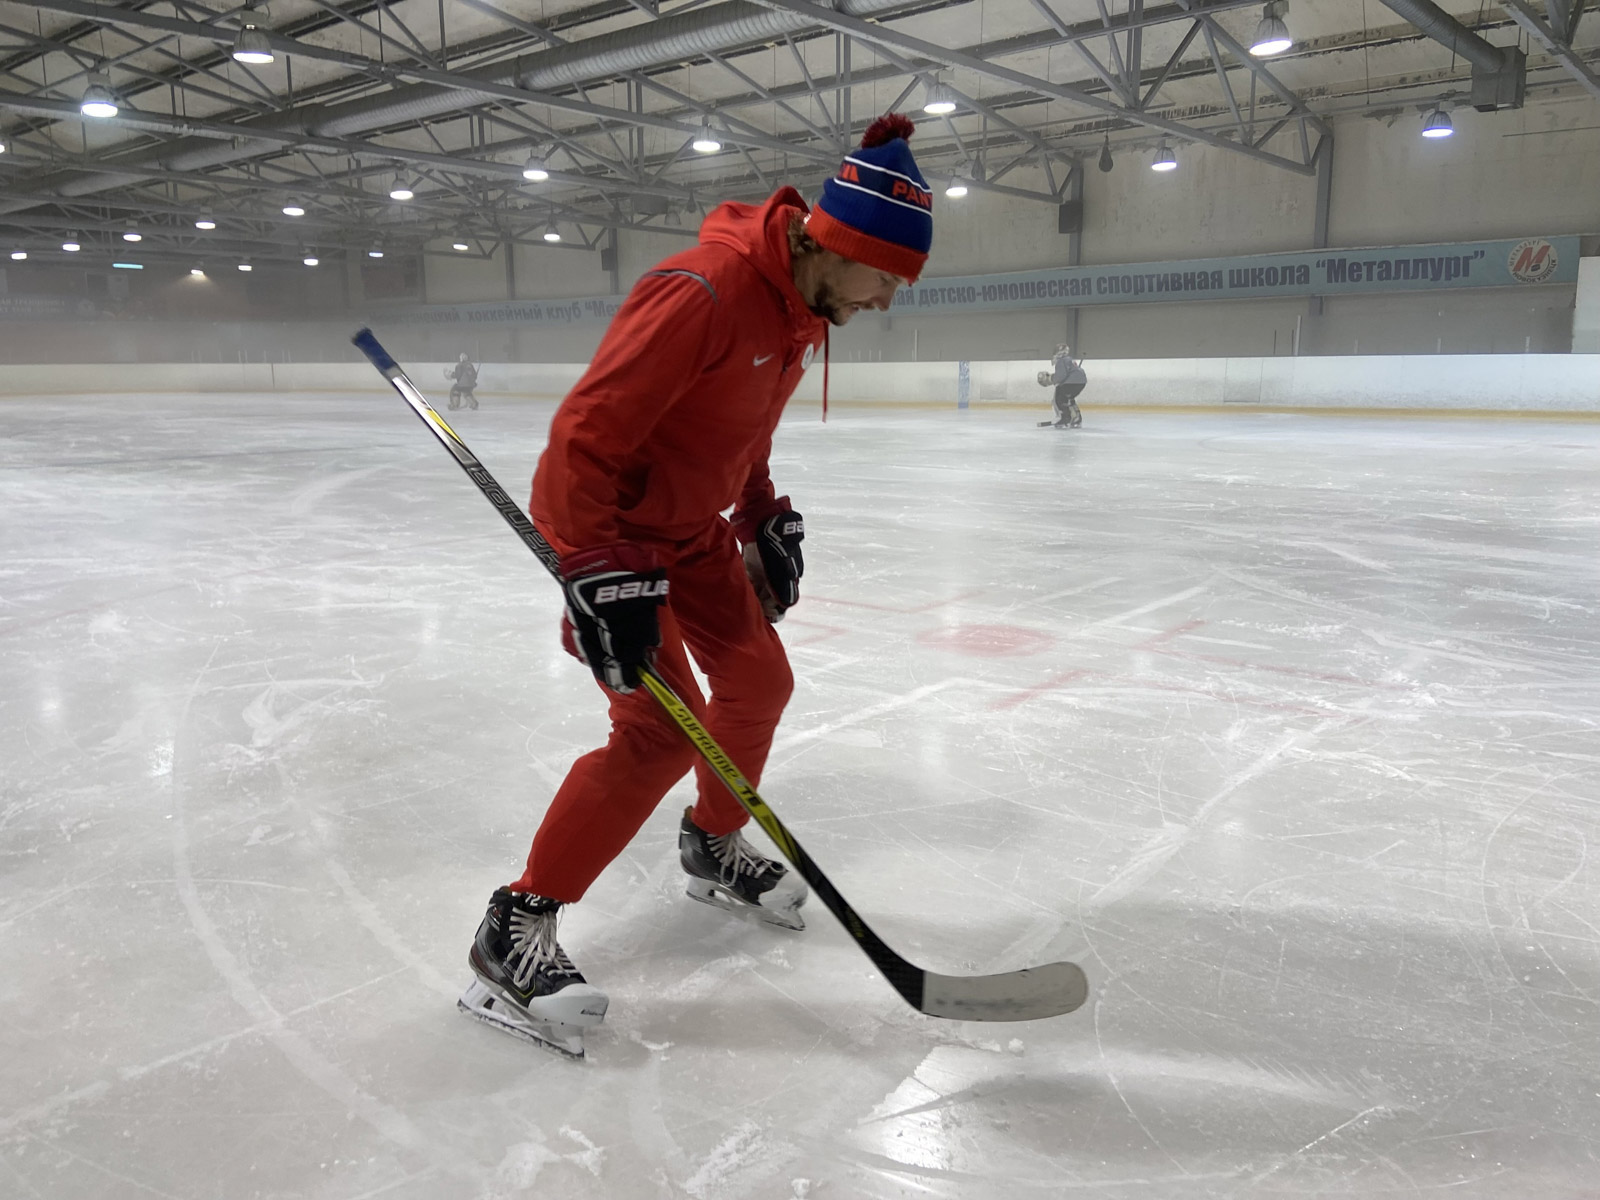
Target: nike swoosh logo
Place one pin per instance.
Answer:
(763, 358)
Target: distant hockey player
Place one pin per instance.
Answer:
(464, 378)
(671, 425)
(1066, 375)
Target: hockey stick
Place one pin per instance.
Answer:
(1024, 995)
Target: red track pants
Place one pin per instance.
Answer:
(609, 792)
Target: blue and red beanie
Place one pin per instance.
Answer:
(878, 209)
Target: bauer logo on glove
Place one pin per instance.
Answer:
(613, 593)
(772, 556)
(630, 591)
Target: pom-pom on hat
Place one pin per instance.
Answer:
(878, 209)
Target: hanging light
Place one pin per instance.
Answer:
(310, 260)
(956, 188)
(939, 101)
(534, 170)
(245, 266)
(706, 142)
(460, 246)
(129, 266)
(197, 273)
(18, 255)
(99, 100)
(204, 221)
(1105, 155)
(401, 190)
(1437, 124)
(252, 46)
(1164, 160)
(552, 234)
(294, 209)
(376, 251)
(71, 245)
(1272, 35)
(2, 145)
(132, 235)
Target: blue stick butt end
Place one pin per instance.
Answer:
(365, 342)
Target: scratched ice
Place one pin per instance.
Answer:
(1285, 727)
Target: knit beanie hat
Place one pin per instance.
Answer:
(878, 210)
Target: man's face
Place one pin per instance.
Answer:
(846, 287)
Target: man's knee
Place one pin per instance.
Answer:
(758, 681)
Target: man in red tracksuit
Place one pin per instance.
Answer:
(671, 425)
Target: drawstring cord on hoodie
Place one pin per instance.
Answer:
(827, 341)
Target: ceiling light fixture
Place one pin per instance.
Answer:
(1105, 156)
(376, 251)
(197, 272)
(18, 255)
(401, 190)
(244, 266)
(1437, 124)
(310, 260)
(129, 266)
(71, 245)
(1164, 160)
(939, 101)
(253, 47)
(1272, 35)
(99, 101)
(552, 234)
(534, 170)
(460, 246)
(706, 142)
(132, 235)
(956, 188)
(294, 209)
(204, 221)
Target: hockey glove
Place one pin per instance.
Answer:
(777, 540)
(613, 593)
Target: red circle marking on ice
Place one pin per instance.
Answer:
(986, 641)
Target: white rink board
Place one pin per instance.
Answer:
(1568, 383)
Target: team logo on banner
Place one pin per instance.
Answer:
(1532, 261)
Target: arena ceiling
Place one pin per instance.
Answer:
(455, 101)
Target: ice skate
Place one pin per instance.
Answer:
(725, 872)
(526, 985)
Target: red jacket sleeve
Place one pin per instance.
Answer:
(757, 499)
(658, 344)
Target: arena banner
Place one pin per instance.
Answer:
(544, 314)
(1435, 267)
(1515, 262)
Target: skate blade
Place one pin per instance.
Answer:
(483, 1004)
(716, 896)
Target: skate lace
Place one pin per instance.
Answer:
(736, 856)
(533, 943)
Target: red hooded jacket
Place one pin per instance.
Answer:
(672, 423)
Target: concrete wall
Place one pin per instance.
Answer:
(1566, 383)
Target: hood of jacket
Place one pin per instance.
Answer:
(760, 233)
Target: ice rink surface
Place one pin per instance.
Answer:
(1284, 726)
